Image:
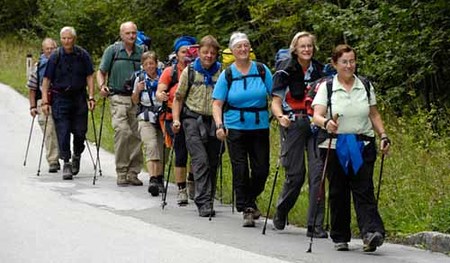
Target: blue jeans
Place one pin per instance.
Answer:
(70, 114)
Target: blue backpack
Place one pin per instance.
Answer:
(143, 40)
(281, 55)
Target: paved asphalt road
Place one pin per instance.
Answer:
(46, 219)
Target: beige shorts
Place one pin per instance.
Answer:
(152, 138)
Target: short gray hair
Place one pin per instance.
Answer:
(70, 29)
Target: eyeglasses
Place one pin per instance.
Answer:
(347, 62)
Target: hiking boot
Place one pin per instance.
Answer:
(206, 211)
(279, 220)
(160, 180)
(54, 167)
(190, 189)
(248, 217)
(256, 213)
(153, 186)
(319, 232)
(122, 180)
(133, 179)
(67, 171)
(341, 246)
(372, 241)
(182, 197)
(76, 164)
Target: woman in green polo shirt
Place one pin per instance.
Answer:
(352, 157)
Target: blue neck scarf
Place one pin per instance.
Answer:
(349, 151)
(207, 73)
(152, 84)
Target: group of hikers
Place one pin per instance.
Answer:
(198, 109)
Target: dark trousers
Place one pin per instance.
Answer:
(204, 152)
(246, 146)
(360, 187)
(295, 141)
(179, 145)
(70, 113)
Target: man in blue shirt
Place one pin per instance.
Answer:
(68, 72)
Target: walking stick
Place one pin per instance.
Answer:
(164, 196)
(29, 140)
(277, 169)
(220, 177)
(97, 161)
(379, 179)
(214, 181)
(232, 197)
(100, 136)
(320, 193)
(327, 214)
(271, 194)
(42, 145)
(90, 153)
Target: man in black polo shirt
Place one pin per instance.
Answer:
(68, 72)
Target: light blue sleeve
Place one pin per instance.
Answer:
(220, 91)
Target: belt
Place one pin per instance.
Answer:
(67, 90)
(121, 92)
(296, 114)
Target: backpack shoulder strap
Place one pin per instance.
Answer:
(366, 84)
(173, 76)
(228, 77)
(261, 70)
(58, 52)
(329, 94)
(115, 55)
(191, 79)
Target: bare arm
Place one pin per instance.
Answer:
(176, 110)
(32, 99)
(45, 98)
(217, 106)
(277, 110)
(161, 92)
(101, 82)
(91, 85)
(137, 91)
(319, 119)
(378, 127)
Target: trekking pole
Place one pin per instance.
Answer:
(327, 214)
(277, 169)
(90, 153)
(42, 145)
(379, 179)
(320, 193)
(97, 161)
(164, 196)
(100, 136)
(221, 178)
(29, 140)
(214, 180)
(271, 195)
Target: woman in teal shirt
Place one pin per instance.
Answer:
(243, 90)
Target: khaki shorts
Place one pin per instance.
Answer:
(152, 138)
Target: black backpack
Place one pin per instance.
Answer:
(229, 78)
(314, 86)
